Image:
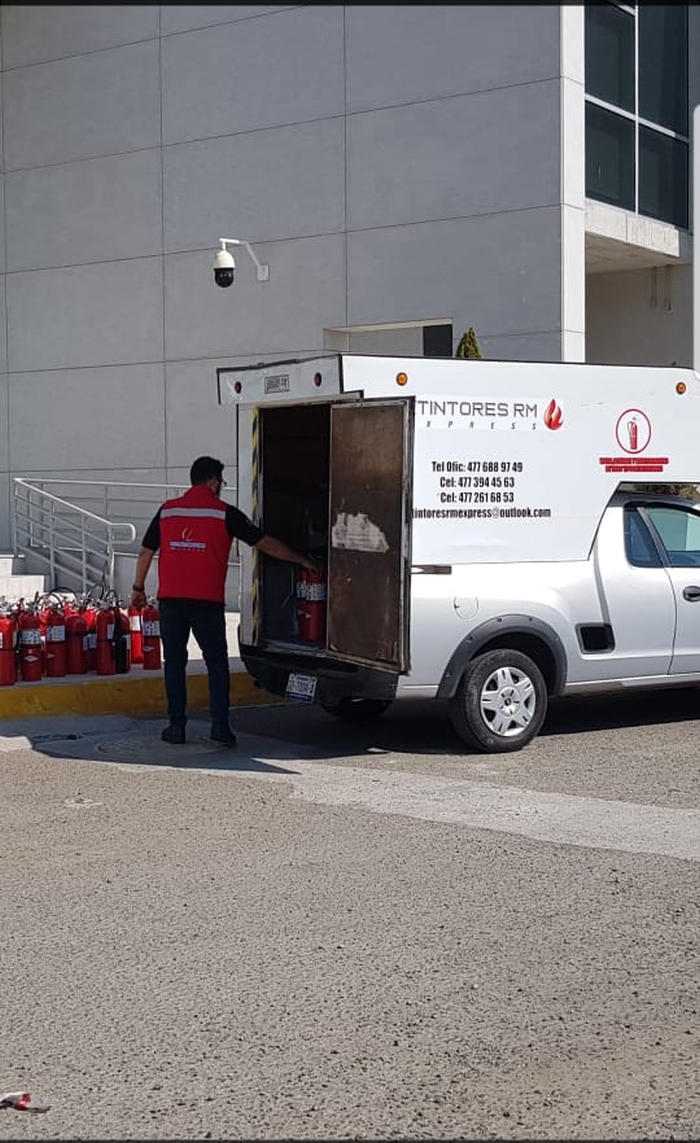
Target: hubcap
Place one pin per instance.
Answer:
(508, 702)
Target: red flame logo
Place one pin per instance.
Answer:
(552, 415)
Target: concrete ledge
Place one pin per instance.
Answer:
(138, 693)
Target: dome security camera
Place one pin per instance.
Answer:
(224, 267)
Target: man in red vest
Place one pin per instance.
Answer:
(193, 534)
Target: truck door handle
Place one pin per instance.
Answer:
(692, 594)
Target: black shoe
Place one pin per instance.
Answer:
(225, 736)
(174, 734)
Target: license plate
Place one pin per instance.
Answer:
(302, 687)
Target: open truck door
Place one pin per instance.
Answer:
(369, 549)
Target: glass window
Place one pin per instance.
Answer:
(609, 157)
(639, 546)
(680, 534)
(663, 65)
(663, 177)
(610, 54)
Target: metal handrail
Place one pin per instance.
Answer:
(70, 538)
(43, 528)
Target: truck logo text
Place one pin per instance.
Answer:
(468, 409)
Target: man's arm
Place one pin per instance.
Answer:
(271, 546)
(138, 590)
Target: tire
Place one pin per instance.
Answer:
(501, 702)
(357, 709)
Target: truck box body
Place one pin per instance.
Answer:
(461, 510)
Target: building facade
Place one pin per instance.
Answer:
(405, 171)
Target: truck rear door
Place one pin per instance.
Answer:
(371, 456)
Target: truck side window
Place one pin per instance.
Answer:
(679, 531)
(639, 546)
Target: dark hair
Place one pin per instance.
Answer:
(203, 468)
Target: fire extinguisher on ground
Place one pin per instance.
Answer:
(150, 624)
(122, 640)
(55, 635)
(30, 664)
(136, 634)
(104, 629)
(76, 650)
(8, 649)
(311, 605)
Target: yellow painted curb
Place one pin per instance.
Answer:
(120, 694)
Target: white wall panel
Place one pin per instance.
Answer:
(35, 32)
(186, 17)
(108, 313)
(90, 211)
(406, 53)
(287, 68)
(499, 273)
(195, 423)
(634, 319)
(119, 411)
(96, 104)
(474, 154)
(286, 182)
(305, 294)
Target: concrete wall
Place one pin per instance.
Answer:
(391, 164)
(641, 317)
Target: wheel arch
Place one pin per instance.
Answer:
(525, 633)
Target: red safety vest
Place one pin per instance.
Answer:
(194, 547)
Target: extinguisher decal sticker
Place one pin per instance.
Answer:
(31, 635)
(151, 627)
(55, 634)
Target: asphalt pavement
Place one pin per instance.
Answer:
(342, 932)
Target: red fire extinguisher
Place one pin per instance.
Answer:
(311, 605)
(122, 641)
(136, 634)
(8, 649)
(105, 663)
(76, 634)
(150, 623)
(90, 644)
(30, 664)
(55, 643)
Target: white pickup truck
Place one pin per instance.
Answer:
(488, 533)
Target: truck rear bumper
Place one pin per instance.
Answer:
(336, 680)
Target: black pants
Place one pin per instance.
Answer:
(207, 622)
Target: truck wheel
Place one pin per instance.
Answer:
(357, 709)
(501, 702)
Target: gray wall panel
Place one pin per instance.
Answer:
(186, 17)
(475, 154)
(235, 78)
(286, 182)
(409, 53)
(499, 272)
(196, 425)
(305, 293)
(89, 211)
(118, 429)
(96, 104)
(107, 313)
(4, 427)
(35, 32)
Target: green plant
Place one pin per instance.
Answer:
(469, 346)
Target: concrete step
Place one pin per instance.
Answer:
(10, 564)
(15, 587)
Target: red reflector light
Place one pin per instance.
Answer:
(317, 378)
(238, 387)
